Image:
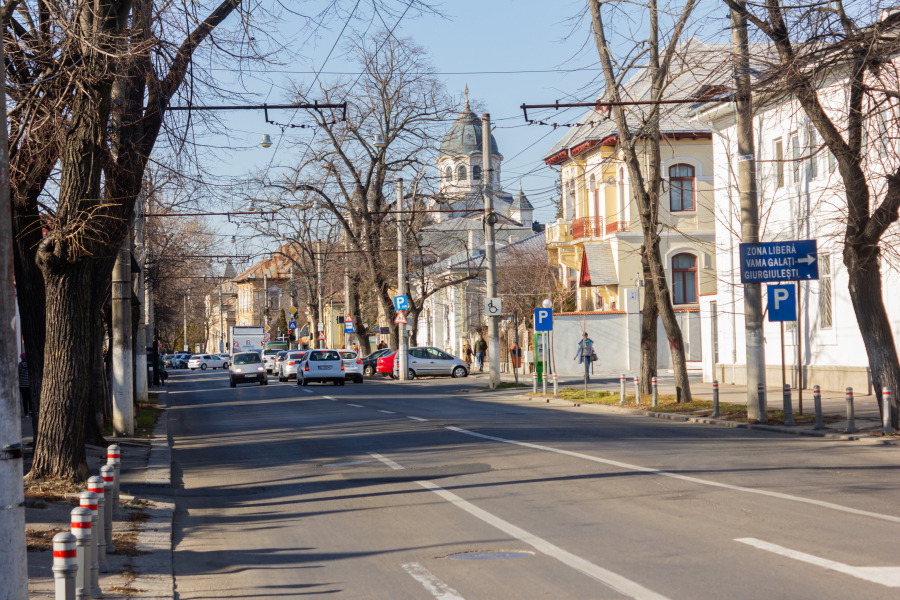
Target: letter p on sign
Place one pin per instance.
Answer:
(782, 302)
(543, 319)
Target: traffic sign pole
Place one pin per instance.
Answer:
(402, 356)
(489, 249)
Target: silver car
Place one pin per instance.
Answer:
(353, 367)
(288, 367)
(321, 365)
(432, 362)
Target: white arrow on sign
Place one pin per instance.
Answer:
(887, 576)
(810, 259)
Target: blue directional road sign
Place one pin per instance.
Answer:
(779, 261)
(543, 319)
(292, 325)
(401, 303)
(782, 302)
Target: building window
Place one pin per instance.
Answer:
(813, 150)
(448, 174)
(831, 161)
(714, 315)
(795, 149)
(779, 164)
(684, 278)
(681, 187)
(825, 292)
(476, 173)
(461, 173)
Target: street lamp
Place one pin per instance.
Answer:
(232, 239)
(266, 141)
(548, 303)
(379, 141)
(252, 206)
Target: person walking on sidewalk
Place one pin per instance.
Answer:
(467, 354)
(24, 387)
(584, 354)
(480, 349)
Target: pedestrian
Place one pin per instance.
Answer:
(24, 387)
(467, 354)
(162, 370)
(356, 349)
(480, 349)
(585, 354)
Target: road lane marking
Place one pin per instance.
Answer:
(416, 418)
(386, 461)
(347, 464)
(388, 412)
(737, 488)
(356, 405)
(887, 576)
(307, 391)
(615, 581)
(330, 398)
(435, 586)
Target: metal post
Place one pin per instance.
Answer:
(123, 378)
(517, 359)
(556, 386)
(886, 411)
(96, 485)
(89, 500)
(320, 301)
(185, 323)
(799, 351)
(715, 412)
(622, 389)
(151, 333)
(140, 338)
(753, 313)
(761, 399)
(534, 381)
(348, 341)
(544, 361)
(114, 460)
(403, 352)
(655, 392)
(65, 565)
(817, 405)
(637, 390)
(81, 528)
(788, 409)
(489, 249)
(851, 417)
(221, 323)
(108, 474)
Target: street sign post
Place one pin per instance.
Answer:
(543, 319)
(492, 307)
(767, 262)
(401, 302)
(400, 318)
(292, 325)
(348, 324)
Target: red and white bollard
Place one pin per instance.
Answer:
(534, 382)
(886, 411)
(108, 474)
(65, 565)
(81, 528)
(95, 484)
(555, 385)
(716, 400)
(637, 390)
(851, 414)
(655, 391)
(114, 460)
(622, 389)
(89, 500)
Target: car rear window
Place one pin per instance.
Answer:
(348, 355)
(324, 355)
(298, 355)
(246, 359)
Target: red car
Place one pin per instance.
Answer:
(386, 364)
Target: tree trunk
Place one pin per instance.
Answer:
(649, 316)
(865, 291)
(93, 428)
(670, 322)
(60, 448)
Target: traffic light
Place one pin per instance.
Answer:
(293, 337)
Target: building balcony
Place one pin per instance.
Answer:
(559, 232)
(615, 226)
(587, 227)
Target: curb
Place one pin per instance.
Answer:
(155, 538)
(864, 439)
(159, 466)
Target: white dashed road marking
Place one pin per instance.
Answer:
(438, 588)
(386, 461)
(356, 405)
(388, 412)
(417, 418)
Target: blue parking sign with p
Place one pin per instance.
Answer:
(543, 319)
(782, 302)
(401, 303)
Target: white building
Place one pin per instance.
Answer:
(800, 197)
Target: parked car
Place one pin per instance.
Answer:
(169, 361)
(247, 366)
(426, 361)
(290, 364)
(321, 365)
(204, 361)
(181, 360)
(370, 362)
(279, 359)
(353, 369)
(385, 364)
(269, 357)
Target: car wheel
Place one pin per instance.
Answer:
(359, 379)
(264, 382)
(391, 375)
(458, 372)
(226, 365)
(203, 367)
(341, 382)
(302, 380)
(369, 370)
(411, 375)
(231, 381)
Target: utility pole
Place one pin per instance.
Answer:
(186, 297)
(151, 329)
(321, 303)
(123, 377)
(403, 352)
(13, 562)
(265, 311)
(221, 323)
(489, 219)
(753, 314)
(347, 338)
(293, 293)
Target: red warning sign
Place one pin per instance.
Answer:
(400, 318)
(321, 335)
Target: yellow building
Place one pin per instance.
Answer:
(596, 242)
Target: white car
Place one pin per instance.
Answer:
(288, 367)
(269, 358)
(321, 365)
(353, 367)
(247, 366)
(427, 361)
(204, 361)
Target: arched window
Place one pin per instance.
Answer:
(476, 173)
(684, 279)
(448, 174)
(682, 188)
(461, 173)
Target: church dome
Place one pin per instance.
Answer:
(521, 202)
(465, 135)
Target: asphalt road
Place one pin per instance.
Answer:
(365, 491)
